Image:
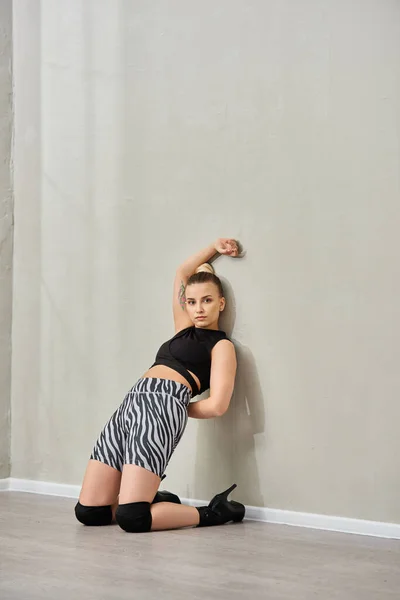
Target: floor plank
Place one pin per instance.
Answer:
(45, 553)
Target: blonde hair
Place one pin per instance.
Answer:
(205, 268)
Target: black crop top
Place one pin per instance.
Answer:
(190, 350)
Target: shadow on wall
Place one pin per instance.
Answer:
(226, 451)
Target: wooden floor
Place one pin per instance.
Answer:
(46, 554)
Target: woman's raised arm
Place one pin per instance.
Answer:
(186, 269)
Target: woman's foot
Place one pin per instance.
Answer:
(165, 496)
(220, 510)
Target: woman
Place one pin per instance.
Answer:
(133, 450)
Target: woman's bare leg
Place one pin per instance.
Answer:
(100, 485)
(166, 515)
(137, 485)
(140, 485)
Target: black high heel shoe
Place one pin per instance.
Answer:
(165, 496)
(220, 510)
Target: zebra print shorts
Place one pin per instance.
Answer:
(146, 428)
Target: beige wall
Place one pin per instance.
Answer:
(6, 232)
(145, 130)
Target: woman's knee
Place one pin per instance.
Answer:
(93, 515)
(134, 517)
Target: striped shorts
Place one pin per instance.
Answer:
(146, 428)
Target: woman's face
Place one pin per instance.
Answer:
(204, 304)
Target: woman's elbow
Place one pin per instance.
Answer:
(220, 409)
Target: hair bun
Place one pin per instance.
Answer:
(205, 267)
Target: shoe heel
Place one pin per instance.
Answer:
(224, 495)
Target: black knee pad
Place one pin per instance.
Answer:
(93, 515)
(134, 517)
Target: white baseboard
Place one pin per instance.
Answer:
(253, 513)
(4, 484)
(43, 487)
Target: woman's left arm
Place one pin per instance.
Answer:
(222, 381)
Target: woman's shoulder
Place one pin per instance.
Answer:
(212, 337)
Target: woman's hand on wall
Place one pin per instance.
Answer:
(227, 246)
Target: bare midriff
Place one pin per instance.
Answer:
(164, 372)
